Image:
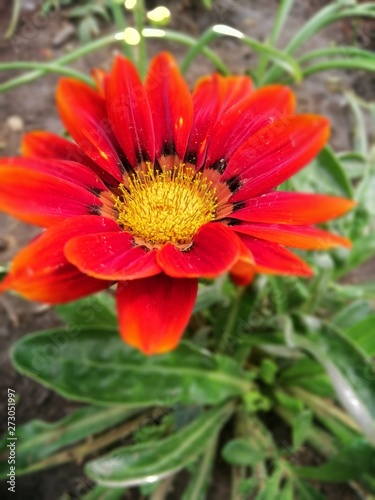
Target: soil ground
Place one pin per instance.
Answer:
(34, 108)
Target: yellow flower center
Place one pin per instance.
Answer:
(166, 207)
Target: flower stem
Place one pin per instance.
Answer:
(73, 56)
(119, 18)
(45, 67)
(232, 318)
(139, 11)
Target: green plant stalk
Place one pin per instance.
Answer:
(344, 51)
(119, 18)
(362, 64)
(139, 11)
(281, 16)
(279, 57)
(183, 39)
(323, 17)
(204, 470)
(48, 68)
(317, 438)
(228, 330)
(73, 56)
(16, 10)
(104, 42)
(360, 131)
(324, 407)
(237, 476)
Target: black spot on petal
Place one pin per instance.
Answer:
(238, 205)
(168, 149)
(233, 184)
(191, 157)
(94, 209)
(219, 165)
(94, 190)
(234, 222)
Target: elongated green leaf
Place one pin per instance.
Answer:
(96, 310)
(242, 452)
(352, 314)
(271, 489)
(363, 249)
(301, 428)
(94, 365)
(209, 295)
(149, 462)
(280, 58)
(103, 493)
(37, 440)
(351, 463)
(362, 291)
(351, 372)
(329, 162)
(363, 334)
(309, 374)
(201, 475)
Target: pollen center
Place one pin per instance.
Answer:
(166, 207)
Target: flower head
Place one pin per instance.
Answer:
(161, 187)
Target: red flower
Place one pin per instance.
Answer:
(161, 188)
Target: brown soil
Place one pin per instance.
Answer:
(34, 105)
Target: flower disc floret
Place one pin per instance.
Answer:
(166, 206)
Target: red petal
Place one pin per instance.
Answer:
(171, 106)
(129, 112)
(280, 207)
(41, 272)
(45, 145)
(153, 312)
(243, 271)
(271, 258)
(214, 251)
(84, 115)
(101, 77)
(41, 199)
(275, 153)
(212, 97)
(111, 256)
(259, 109)
(305, 237)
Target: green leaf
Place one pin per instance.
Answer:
(352, 313)
(352, 373)
(351, 463)
(37, 440)
(328, 162)
(146, 463)
(243, 452)
(96, 310)
(94, 365)
(363, 249)
(201, 474)
(301, 428)
(307, 492)
(287, 401)
(353, 292)
(102, 493)
(363, 334)
(287, 491)
(209, 295)
(267, 371)
(307, 373)
(353, 163)
(271, 489)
